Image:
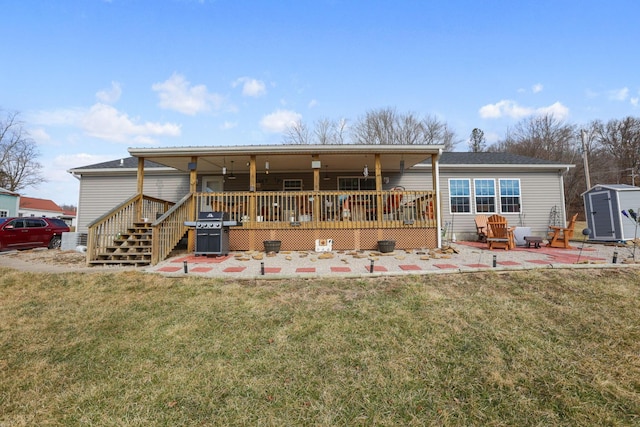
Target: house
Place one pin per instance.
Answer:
(31, 206)
(355, 195)
(9, 203)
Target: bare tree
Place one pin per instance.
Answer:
(297, 134)
(545, 137)
(620, 139)
(325, 131)
(477, 141)
(18, 153)
(386, 126)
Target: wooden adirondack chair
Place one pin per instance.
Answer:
(500, 235)
(481, 227)
(559, 236)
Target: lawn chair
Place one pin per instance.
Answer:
(499, 235)
(481, 227)
(391, 207)
(559, 236)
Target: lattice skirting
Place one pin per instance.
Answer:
(301, 239)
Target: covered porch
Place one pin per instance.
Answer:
(352, 194)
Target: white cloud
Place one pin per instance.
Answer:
(619, 94)
(504, 108)
(509, 108)
(312, 103)
(556, 109)
(39, 135)
(111, 95)
(177, 94)
(228, 125)
(251, 87)
(634, 101)
(537, 88)
(105, 122)
(279, 121)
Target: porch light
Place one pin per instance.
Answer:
(231, 175)
(401, 167)
(365, 171)
(326, 174)
(266, 167)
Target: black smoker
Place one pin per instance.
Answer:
(212, 233)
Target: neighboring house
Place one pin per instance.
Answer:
(9, 203)
(31, 206)
(69, 217)
(297, 193)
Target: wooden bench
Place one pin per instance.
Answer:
(533, 240)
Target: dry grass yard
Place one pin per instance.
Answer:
(536, 348)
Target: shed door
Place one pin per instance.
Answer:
(602, 215)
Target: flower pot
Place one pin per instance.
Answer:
(386, 246)
(272, 245)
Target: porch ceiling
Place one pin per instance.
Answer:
(291, 158)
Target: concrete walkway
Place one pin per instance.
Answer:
(459, 257)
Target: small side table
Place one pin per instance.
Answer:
(533, 240)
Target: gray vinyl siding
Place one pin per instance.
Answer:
(100, 194)
(540, 193)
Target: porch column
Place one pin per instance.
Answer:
(193, 188)
(435, 184)
(140, 188)
(252, 188)
(316, 187)
(379, 206)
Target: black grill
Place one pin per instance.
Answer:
(212, 234)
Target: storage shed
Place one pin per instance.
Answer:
(603, 206)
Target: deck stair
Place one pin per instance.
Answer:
(132, 247)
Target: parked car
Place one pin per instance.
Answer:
(31, 232)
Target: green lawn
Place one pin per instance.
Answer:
(537, 348)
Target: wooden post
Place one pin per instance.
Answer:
(193, 189)
(317, 203)
(140, 188)
(378, 167)
(252, 188)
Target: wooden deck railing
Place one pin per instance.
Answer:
(323, 209)
(263, 210)
(104, 230)
(170, 228)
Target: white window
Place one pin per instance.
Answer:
(460, 195)
(292, 185)
(356, 183)
(485, 195)
(4, 213)
(510, 200)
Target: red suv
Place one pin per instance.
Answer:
(31, 232)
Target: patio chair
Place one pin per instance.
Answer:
(481, 227)
(391, 207)
(499, 235)
(559, 236)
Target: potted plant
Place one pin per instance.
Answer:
(386, 246)
(272, 245)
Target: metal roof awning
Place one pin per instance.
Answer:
(290, 158)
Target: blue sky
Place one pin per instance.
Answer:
(94, 77)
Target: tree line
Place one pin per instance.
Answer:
(612, 148)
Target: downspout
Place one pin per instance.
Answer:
(564, 196)
(435, 173)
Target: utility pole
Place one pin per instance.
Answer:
(632, 175)
(585, 159)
